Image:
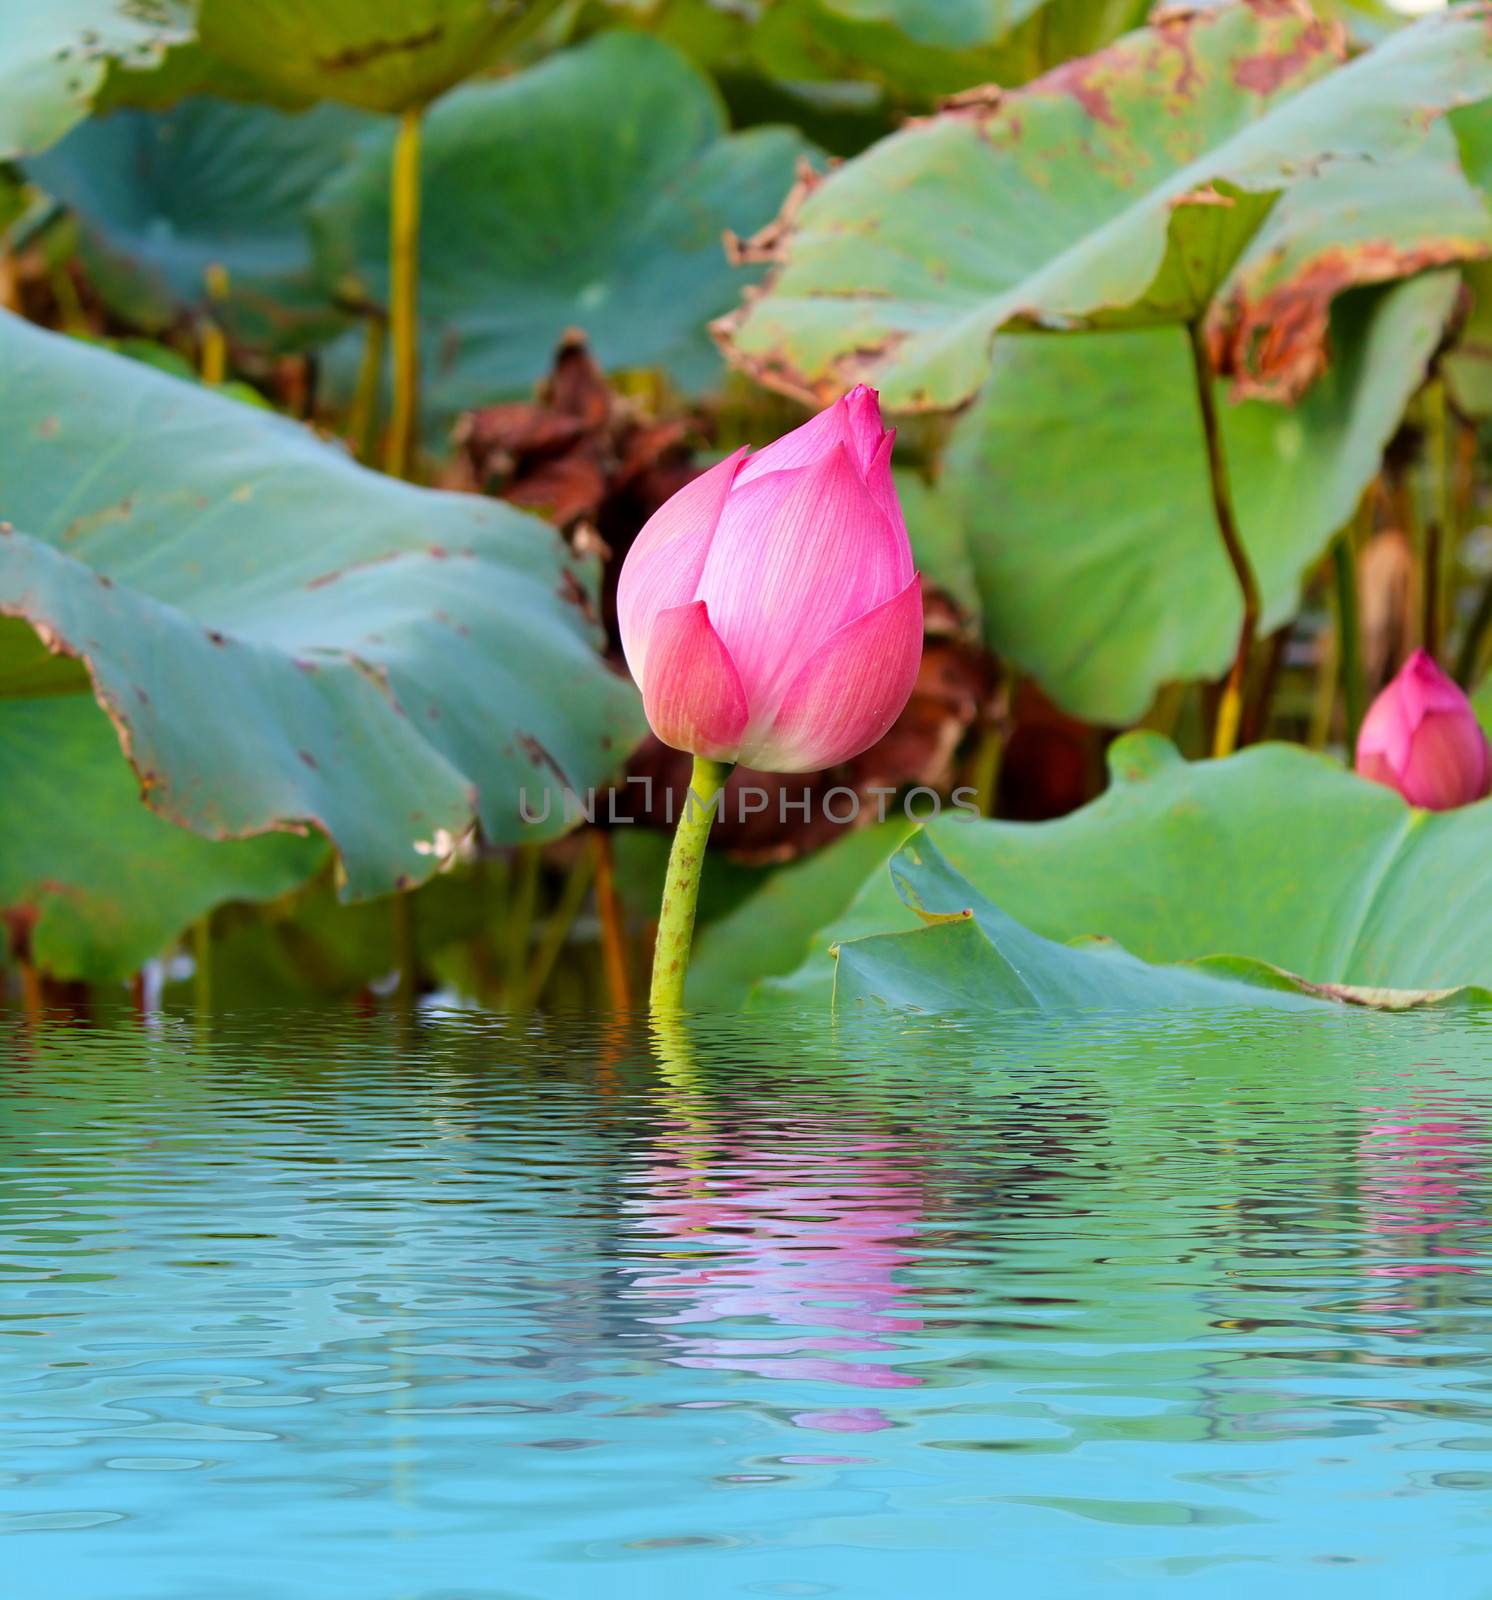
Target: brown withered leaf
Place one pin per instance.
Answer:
(590, 460)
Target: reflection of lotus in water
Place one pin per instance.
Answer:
(1418, 1162)
(792, 1230)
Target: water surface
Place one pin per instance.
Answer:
(471, 1309)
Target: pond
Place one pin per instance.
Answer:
(476, 1308)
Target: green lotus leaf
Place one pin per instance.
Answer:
(1273, 856)
(57, 60)
(1079, 480)
(973, 957)
(283, 639)
(769, 932)
(1134, 187)
(164, 199)
(64, 61)
(591, 191)
(1467, 366)
(380, 55)
(92, 883)
(920, 49)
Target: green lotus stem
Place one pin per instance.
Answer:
(404, 263)
(1349, 642)
(1469, 657)
(561, 920)
(406, 958)
(523, 896)
(1230, 707)
(362, 416)
(213, 368)
(202, 963)
(1438, 521)
(681, 887)
(984, 769)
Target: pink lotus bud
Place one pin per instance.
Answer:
(770, 610)
(1421, 737)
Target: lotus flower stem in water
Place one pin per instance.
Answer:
(1230, 707)
(681, 887)
(771, 614)
(404, 261)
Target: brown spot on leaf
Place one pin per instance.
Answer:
(1086, 81)
(979, 101)
(364, 55)
(1274, 347)
(540, 757)
(308, 758)
(215, 637)
(765, 245)
(120, 511)
(572, 591)
(1271, 70)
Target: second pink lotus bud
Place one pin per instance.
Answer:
(1421, 737)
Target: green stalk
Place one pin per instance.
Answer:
(681, 887)
(401, 911)
(1230, 706)
(404, 263)
(202, 964)
(1437, 539)
(561, 920)
(984, 769)
(523, 897)
(1468, 660)
(214, 353)
(1349, 652)
(362, 416)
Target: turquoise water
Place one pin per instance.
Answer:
(474, 1309)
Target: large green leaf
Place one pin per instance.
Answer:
(1126, 189)
(1467, 367)
(381, 55)
(1080, 479)
(99, 883)
(972, 957)
(282, 638)
(166, 197)
(769, 932)
(590, 192)
(56, 60)
(919, 49)
(61, 60)
(1274, 855)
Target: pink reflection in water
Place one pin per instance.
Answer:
(1416, 1164)
(796, 1234)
